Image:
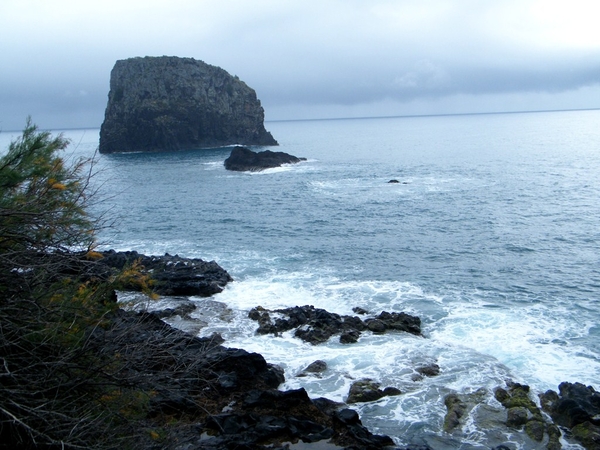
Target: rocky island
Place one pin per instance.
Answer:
(169, 103)
(243, 159)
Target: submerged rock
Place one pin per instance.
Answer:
(523, 413)
(428, 370)
(314, 368)
(456, 409)
(169, 103)
(243, 159)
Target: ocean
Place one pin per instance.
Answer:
(491, 237)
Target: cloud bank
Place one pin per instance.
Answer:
(311, 59)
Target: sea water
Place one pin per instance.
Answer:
(491, 237)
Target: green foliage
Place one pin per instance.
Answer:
(133, 278)
(53, 373)
(42, 202)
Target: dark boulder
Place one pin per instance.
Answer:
(348, 416)
(396, 321)
(456, 408)
(367, 390)
(359, 310)
(312, 324)
(170, 103)
(314, 368)
(430, 370)
(523, 413)
(577, 404)
(239, 369)
(376, 326)
(576, 407)
(243, 159)
(349, 337)
(275, 416)
(283, 400)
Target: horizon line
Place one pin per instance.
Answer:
(533, 111)
(362, 117)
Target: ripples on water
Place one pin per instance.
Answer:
(492, 238)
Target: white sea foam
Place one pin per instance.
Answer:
(531, 341)
(286, 289)
(475, 346)
(391, 359)
(213, 165)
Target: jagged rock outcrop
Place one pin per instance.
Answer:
(206, 396)
(523, 413)
(315, 325)
(577, 407)
(169, 275)
(243, 159)
(168, 103)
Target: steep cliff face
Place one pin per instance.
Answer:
(171, 103)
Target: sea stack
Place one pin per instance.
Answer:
(169, 103)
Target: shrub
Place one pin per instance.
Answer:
(53, 379)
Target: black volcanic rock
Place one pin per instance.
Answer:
(315, 325)
(169, 103)
(243, 159)
(576, 407)
(206, 396)
(367, 390)
(172, 275)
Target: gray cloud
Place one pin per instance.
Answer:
(305, 59)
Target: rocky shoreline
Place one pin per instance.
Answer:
(228, 398)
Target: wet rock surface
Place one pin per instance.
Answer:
(367, 390)
(523, 413)
(315, 325)
(222, 398)
(218, 397)
(577, 408)
(314, 368)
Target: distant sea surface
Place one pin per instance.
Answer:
(491, 236)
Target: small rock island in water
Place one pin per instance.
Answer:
(169, 103)
(243, 159)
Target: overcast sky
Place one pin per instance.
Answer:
(307, 58)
